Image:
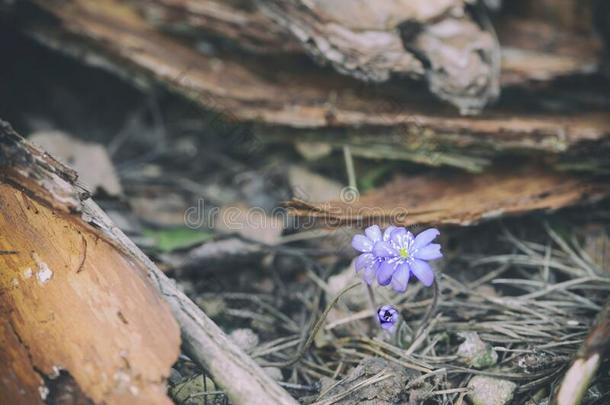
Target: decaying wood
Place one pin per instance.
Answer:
(77, 297)
(534, 48)
(547, 39)
(302, 104)
(588, 359)
(375, 39)
(245, 26)
(76, 304)
(457, 199)
(70, 301)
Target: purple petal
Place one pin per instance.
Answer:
(362, 244)
(400, 279)
(387, 316)
(401, 238)
(431, 251)
(383, 249)
(363, 261)
(373, 233)
(385, 272)
(425, 237)
(423, 272)
(388, 232)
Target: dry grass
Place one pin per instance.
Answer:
(534, 305)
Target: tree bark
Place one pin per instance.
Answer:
(98, 296)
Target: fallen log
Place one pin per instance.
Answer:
(312, 104)
(241, 24)
(78, 297)
(71, 302)
(438, 40)
(535, 45)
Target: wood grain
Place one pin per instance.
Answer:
(77, 304)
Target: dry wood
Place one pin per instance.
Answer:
(70, 301)
(243, 24)
(459, 199)
(375, 39)
(96, 315)
(112, 35)
(536, 45)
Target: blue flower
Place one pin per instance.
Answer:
(387, 316)
(404, 255)
(392, 256)
(367, 262)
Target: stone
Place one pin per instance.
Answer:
(476, 353)
(490, 391)
(246, 339)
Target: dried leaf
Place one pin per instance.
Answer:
(90, 160)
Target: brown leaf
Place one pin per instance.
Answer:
(90, 160)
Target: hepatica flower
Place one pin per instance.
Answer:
(368, 263)
(392, 257)
(387, 316)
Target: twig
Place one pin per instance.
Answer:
(369, 381)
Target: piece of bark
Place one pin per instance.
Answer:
(50, 189)
(364, 40)
(536, 45)
(536, 50)
(458, 199)
(373, 40)
(319, 104)
(586, 362)
(70, 300)
(246, 26)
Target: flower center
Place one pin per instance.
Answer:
(403, 252)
